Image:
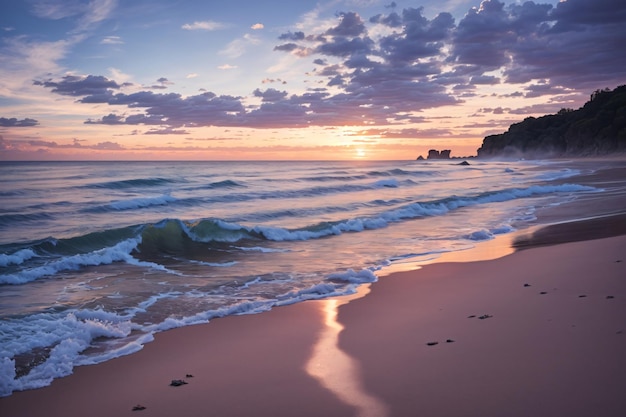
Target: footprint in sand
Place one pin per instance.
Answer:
(177, 382)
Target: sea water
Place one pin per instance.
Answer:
(96, 257)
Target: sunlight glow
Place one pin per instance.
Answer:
(335, 369)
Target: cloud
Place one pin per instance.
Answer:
(24, 59)
(87, 14)
(386, 69)
(107, 145)
(350, 25)
(409, 133)
(484, 79)
(112, 40)
(270, 95)
(273, 80)
(578, 49)
(571, 44)
(110, 119)
(346, 47)
(191, 75)
(58, 9)
(238, 47)
(167, 131)
(164, 81)
(287, 47)
(208, 25)
(13, 122)
(257, 26)
(420, 37)
(289, 36)
(96, 88)
(227, 67)
(95, 12)
(483, 36)
(120, 76)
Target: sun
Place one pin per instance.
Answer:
(360, 153)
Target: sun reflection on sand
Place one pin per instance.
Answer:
(337, 371)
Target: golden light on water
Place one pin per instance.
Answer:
(335, 369)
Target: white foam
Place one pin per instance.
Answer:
(7, 376)
(390, 183)
(262, 249)
(315, 292)
(121, 252)
(557, 175)
(358, 277)
(68, 333)
(16, 258)
(480, 235)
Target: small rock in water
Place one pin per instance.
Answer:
(484, 316)
(449, 341)
(432, 343)
(609, 297)
(582, 296)
(543, 292)
(189, 376)
(138, 407)
(472, 316)
(526, 285)
(177, 382)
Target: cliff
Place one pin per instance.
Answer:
(597, 128)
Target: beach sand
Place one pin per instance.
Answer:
(539, 332)
(552, 348)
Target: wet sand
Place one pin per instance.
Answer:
(541, 332)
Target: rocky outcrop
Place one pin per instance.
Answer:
(597, 128)
(435, 154)
(444, 154)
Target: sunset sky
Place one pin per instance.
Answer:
(255, 79)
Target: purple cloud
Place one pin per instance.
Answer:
(76, 86)
(108, 145)
(289, 36)
(578, 50)
(344, 47)
(350, 25)
(13, 122)
(419, 63)
(420, 38)
(270, 95)
(287, 47)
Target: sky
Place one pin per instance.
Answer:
(291, 80)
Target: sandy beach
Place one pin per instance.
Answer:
(539, 332)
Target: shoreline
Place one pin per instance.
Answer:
(538, 332)
(265, 364)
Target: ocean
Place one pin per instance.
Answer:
(97, 257)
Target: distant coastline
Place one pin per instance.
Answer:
(597, 128)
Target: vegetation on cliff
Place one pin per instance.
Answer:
(597, 128)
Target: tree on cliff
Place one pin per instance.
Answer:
(597, 128)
